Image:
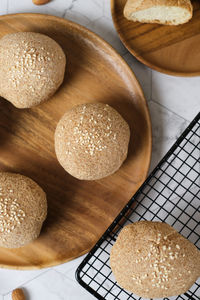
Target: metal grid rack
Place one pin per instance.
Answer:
(170, 194)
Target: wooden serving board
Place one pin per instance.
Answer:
(78, 211)
(173, 50)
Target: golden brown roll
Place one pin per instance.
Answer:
(91, 141)
(152, 260)
(23, 208)
(32, 67)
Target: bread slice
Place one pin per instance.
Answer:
(168, 12)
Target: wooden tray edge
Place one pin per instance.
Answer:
(141, 59)
(147, 115)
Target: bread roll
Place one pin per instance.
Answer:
(32, 67)
(167, 12)
(152, 260)
(91, 141)
(23, 207)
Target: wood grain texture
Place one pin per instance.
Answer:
(78, 211)
(172, 50)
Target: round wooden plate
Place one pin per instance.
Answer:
(78, 211)
(173, 50)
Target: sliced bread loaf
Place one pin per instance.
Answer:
(168, 12)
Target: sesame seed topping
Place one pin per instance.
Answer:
(92, 138)
(10, 213)
(25, 63)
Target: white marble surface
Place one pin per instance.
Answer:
(173, 102)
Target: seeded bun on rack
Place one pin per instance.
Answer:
(91, 141)
(23, 208)
(152, 260)
(32, 68)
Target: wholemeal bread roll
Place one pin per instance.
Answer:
(152, 260)
(23, 207)
(91, 141)
(32, 67)
(167, 12)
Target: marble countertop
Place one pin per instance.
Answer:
(173, 103)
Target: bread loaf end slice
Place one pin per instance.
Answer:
(167, 12)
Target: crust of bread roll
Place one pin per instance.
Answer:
(133, 6)
(32, 68)
(152, 260)
(91, 141)
(23, 208)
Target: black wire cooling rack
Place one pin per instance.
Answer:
(170, 194)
